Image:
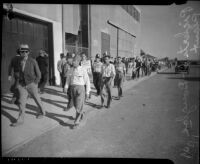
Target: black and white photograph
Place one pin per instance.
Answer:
(101, 81)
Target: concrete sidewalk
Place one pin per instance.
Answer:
(54, 101)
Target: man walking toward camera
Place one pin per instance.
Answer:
(78, 79)
(120, 74)
(28, 83)
(108, 75)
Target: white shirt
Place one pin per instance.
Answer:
(108, 70)
(79, 77)
(87, 65)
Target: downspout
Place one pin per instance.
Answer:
(63, 34)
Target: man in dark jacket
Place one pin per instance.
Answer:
(14, 67)
(29, 77)
(42, 60)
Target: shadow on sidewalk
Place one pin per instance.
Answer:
(93, 105)
(54, 102)
(61, 122)
(55, 92)
(36, 110)
(10, 117)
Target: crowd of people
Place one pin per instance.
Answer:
(76, 73)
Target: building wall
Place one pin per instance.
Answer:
(100, 14)
(51, 13)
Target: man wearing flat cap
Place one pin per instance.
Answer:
(76, 81)
(28, 83)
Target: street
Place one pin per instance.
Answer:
(157, 118)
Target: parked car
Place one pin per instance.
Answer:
(182, 66)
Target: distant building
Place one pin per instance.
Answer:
(66, 28)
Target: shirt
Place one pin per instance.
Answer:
(120, 67)
(87, 65)
(97, 66)
(108, 70)
(60, 65)
(79, 76)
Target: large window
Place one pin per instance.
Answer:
(79, 43)
(132, 11)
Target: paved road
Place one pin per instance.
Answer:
(158, 118)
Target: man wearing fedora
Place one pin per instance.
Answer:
(28, 83)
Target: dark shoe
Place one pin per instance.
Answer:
(17, 123)
(40, 115)
(108, 106)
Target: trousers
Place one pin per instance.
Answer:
(119, 82)
(97, 81)
(77, 93)
(32, 89)
(106, 90)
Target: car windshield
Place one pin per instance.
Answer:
(182, 62)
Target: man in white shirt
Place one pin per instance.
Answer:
(108, 74)
(77, 80)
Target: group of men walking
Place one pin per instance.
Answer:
(75, 73)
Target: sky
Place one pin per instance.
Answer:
(159, 26)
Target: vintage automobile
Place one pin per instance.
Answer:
(182, 66)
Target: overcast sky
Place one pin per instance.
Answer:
(160, 24)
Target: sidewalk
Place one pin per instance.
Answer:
(54, 101)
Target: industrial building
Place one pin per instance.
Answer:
(57, 28)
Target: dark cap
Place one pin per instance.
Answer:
(107, 56)
(98, 56)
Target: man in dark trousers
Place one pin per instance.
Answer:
(42, 60)
(29, 76)
(14, 67)
(97, 66)
(108, 75)
(138, 66)
(120, 72)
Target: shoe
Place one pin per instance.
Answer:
(108, 106)
(17, 123)
(40, 115)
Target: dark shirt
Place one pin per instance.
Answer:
(43, 64)
(31, 72)
(138, 63)
(14, 65)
